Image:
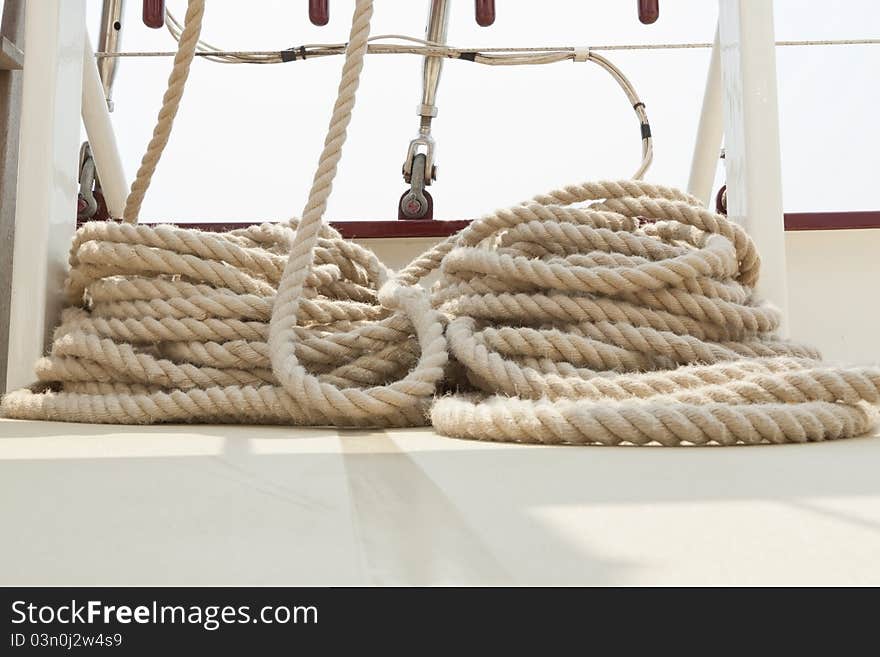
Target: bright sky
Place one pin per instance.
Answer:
(247, 137)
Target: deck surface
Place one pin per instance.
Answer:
(93, 505)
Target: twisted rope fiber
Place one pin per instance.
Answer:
(601, 313)
(186, 49)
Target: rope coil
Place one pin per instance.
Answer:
(601, 313)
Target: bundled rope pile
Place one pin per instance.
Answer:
(616, 312)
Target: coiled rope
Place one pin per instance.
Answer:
(611, 312)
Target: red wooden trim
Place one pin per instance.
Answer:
(408, 228)
(434, 228)
(832, 220)
(358, 229)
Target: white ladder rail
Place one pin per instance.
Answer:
(710, 132)
(102, 138)
(47, 187)
(751, 144)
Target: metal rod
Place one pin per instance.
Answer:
(435, 32)
(438, 22)
(109, 38)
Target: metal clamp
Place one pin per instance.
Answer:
(417, 202)
(87, 204)
(421, 145)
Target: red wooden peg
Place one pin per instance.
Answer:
(485, 10)
(649, 11)
(154, 13)
(319, 12)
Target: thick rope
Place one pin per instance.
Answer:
(406, 397)
(601, 313)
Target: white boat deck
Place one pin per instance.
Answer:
(92, 505)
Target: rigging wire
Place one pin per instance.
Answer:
(495, 56)
(561, 52)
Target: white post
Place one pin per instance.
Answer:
(751, 128)
(102, 139)
(709, 133)
(47, 177)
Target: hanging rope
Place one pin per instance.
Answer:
(611, 312)
(186, 48)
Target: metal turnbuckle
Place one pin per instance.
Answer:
(87, 204)
(419, 168)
